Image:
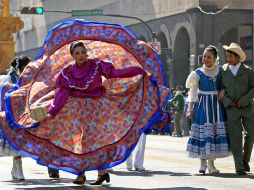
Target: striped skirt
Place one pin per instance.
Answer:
(208, 139)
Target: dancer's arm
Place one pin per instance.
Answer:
(109, 71)
(192, 83)
(61, 96)
(59, 101)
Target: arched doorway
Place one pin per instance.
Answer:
(181, 56)
(242, 35)
(164, 56)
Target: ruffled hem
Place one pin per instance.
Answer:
(63, 156)
(191, 154)
(208, 141)
(48, 144)
(49, 154)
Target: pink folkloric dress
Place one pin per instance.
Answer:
(100, 109)
(86, 81)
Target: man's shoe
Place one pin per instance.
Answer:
(246, 166)
(129, 168)
(241, 172)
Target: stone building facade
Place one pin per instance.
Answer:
(183, 27)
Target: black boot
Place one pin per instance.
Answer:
(246, 166)
(101, 179)
(241, 172)
(53, 173)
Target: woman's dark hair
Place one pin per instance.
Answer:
(20, 62)
(213, 50)
(76, 44)
(231, 52)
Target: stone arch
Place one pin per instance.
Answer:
(181, 56)
(164, 55)
(164, 29)
(241, 34)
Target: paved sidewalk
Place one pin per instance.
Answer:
(167, 164)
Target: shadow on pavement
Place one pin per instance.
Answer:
(148, 173)
(233, 175)
(61, 187)
(229, 175)
(109, 188)
(47, 184)
(170, 188)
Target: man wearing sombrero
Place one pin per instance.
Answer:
(238, 82)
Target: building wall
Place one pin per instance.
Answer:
(203, 29)
(204, 22)
(144, 9)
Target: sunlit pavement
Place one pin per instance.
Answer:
(167, 168)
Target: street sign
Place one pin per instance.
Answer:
(156, 47)
(95, 12)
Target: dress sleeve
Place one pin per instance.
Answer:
(192, 83)
(62, 79)
(60, 99)
(108, 70)
(61, 96)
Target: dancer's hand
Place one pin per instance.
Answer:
(221, 95)
(238, 105)
(232, 105)
(147, 73)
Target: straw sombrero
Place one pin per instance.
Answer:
(236, 49)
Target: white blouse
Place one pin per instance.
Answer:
(192, 83)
